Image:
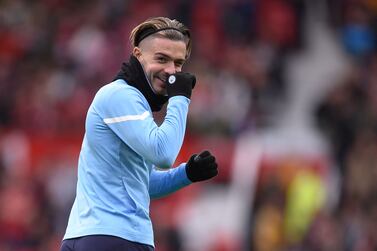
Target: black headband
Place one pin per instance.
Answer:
(149, 31)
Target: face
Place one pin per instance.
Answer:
(159, 58)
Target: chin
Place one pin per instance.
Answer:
(161, 92)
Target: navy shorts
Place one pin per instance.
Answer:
(102, 243)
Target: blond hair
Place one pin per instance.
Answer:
(162, 27)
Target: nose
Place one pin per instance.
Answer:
(170, 68)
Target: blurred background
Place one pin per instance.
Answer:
(286, 99)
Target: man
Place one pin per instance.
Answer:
(124, 151)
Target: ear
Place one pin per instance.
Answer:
(136, 52)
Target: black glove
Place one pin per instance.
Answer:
(180, 83)
(201, 167)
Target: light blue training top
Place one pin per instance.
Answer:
(117, 172)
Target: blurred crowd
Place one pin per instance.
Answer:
(290, 211)
(55, 54)
(60, 48)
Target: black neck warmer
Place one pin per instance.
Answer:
(132, 72)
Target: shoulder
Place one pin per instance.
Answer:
(119, 94)
(117, 88)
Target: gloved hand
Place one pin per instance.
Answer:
(201, 167)
(180, 83)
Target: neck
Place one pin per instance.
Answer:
(133, 73)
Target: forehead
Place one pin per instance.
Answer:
(174, 49)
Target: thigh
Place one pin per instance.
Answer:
(108, 243)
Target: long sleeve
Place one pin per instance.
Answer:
(128, 115)
(121, 146)
(164, 182)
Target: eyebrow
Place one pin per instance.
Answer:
(179, 60)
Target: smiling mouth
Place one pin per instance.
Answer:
(162, 80)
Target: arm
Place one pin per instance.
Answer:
(162, 183)
(199, 168)
(128, 115)
(126, 112)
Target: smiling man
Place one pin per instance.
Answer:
(126, 159)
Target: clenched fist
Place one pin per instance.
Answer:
(201, 167)
(180, 83)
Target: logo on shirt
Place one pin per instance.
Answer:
(171, 79)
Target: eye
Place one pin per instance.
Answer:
(161, 60)
(179, 63)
